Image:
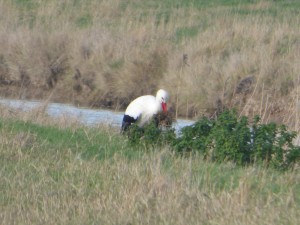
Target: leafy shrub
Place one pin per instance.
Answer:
(227, 138)
(230, 139)
(194, 137)
(150, 135)
(273, 145)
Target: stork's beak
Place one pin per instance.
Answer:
(164, 106)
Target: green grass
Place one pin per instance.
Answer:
(167, 4)
(26, 4)
(186, 32)
(84, 21)
(88, 143)
(79, 175)
(164, 10)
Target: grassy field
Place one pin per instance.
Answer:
(207, 54)
(60, 172)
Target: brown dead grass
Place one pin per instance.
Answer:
(61, 188)
(101, 56)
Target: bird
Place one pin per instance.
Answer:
(142, 109)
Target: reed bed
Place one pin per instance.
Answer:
(95, 53)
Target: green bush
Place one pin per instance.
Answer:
(227, 138)
(150, 135)
(230, 139)
(194, 137)
(273, 145)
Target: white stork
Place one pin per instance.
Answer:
(144, 108)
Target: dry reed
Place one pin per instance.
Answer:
(125, 51)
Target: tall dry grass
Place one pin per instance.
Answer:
(47, 179)
(60, 188)
(105, 54)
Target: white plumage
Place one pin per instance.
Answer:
(142, 109)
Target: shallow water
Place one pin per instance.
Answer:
(89, 117)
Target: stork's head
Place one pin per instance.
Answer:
(162, 97)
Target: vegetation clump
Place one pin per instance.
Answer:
(228, 138)
(159, 132)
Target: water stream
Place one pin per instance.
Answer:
(89, 117)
